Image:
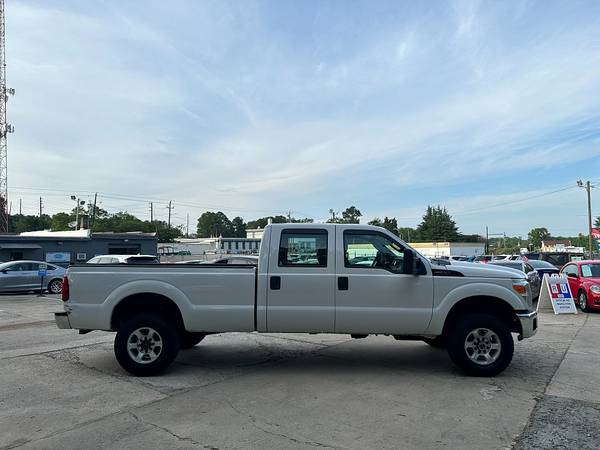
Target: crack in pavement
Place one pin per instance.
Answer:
(166, 430)
(253, 423)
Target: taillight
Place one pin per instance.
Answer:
(65, 289)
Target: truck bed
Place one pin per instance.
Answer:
(211, 297)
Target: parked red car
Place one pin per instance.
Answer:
(584, 281)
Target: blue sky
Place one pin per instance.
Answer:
(264, 107)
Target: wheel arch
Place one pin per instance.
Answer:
(146, 302)
(483, 304)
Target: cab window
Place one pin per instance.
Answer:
(571, 269)
(303, 248)
(372, 250)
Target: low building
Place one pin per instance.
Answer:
(67, 247)
(213, 245)
(563, 245)
(447, 249)
(255, 233)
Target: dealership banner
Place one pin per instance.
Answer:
(596, 238)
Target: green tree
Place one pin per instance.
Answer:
(437, 225)
(214, 224)
(162, 230)
(351, 215)
(239, 227)
(264, 221)
(537, 235)
(60, 221)
(597, 223)
(390, 224)
(20, 223)
(408, 234)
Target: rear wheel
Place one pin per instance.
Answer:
(146, 345)
(189, 340)
(582, 300)
(480, 344)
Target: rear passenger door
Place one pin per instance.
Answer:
(300, 290)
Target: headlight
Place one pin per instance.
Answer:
(595, 289)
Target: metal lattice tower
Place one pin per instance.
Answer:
(5, 128)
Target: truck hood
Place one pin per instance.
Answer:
(475, 270)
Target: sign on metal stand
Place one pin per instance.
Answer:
(42, 272)
(556, 296)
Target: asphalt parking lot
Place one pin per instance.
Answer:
(63, 390)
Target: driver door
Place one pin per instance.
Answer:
(373, 295)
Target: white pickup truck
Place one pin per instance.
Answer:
(316, 278)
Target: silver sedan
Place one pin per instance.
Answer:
(25, 276)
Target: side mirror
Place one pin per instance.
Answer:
(572, 275)
(409, 262)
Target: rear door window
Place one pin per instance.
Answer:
(299, 248)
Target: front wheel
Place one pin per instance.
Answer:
(481, 345)
(582, 300)
(146, 345)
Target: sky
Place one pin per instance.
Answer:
(491, 109)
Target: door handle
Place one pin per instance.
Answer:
(342, 283)
(275, 283)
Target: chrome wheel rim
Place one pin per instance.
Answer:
(144, 345)
(483, 346)
(55, 287)
(582, 302)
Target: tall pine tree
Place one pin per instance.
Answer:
(437, 225)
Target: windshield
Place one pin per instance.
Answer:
(590, 270)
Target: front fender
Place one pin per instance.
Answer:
(443, 306)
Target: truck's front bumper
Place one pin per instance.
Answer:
(529, 324)
(62, 320)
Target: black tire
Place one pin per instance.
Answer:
(582, 302)
(189, 340)
(497, 335)
(436, 342)
(55, 286)
(159, 357)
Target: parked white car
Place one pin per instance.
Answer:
(123, 259)
(311, 278)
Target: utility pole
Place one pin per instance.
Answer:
(41, 206)
(588, 187)
(5, 128)
(151, 212)
(289, 216)
(332, 212)
(94, 211)
(170, 208)
(187, 226)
